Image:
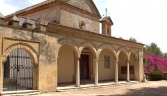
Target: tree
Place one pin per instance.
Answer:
(155, 63)
(165, 55)
(132, 39)
(153, 49)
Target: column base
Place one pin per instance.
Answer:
(96, 84)
(127, 80)
(77, 85)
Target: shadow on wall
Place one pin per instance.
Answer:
(147, 91)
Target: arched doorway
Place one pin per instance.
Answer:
(18, 71)
(87, 65)
(122, 66)
(106, 65)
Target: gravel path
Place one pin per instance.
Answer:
(150, 88)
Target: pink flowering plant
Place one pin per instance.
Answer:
(155, 63)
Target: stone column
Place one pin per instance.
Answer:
(128, 75)
(116, 71)
(96, 71)
(57, 72)
(1, 67)
(1, 77)
(78, 73)
(141, 70)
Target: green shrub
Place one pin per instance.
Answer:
(156, 75)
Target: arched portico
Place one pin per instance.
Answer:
(106, 62)
(67, 58)
(88, 62)
(26, 51)
(89, 45)
(120, 67)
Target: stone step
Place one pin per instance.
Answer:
(93, 86)
(21, 93)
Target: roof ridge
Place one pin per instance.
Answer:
(29, 8)
(41, 4)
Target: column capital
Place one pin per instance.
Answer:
(96, 59)
(116, 60)
(77, 58)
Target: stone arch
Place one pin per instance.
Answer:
(133, 61)
(29, 49)
(106, 52)
(106, 46)
(91, 45)
(124, 50)
(134, 52)
(70, 42)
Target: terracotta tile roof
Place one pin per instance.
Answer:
(107, 19)
(32, 7)
(41, 4)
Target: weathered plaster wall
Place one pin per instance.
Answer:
(66, 64)
(47, 59)
(109, 73)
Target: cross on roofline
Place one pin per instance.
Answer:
(106, 12)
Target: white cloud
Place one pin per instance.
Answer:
(35, 1)
(6, 9)
(144, 20)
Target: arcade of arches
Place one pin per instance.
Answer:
(74, 61)
(86, 63)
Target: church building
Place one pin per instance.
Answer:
(60, 42)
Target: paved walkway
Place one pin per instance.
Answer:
(150, 88)
(90, 85)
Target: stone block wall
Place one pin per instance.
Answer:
(73, 19)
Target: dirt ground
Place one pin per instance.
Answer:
(150, 88)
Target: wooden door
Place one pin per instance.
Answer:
(84, 67)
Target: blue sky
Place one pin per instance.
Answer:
(145, 20)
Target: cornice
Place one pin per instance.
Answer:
(91, 36)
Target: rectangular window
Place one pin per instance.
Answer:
(107, 62)
(124, 69)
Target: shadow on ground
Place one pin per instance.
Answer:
(159, 91)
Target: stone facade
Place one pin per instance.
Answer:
(57, 47)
